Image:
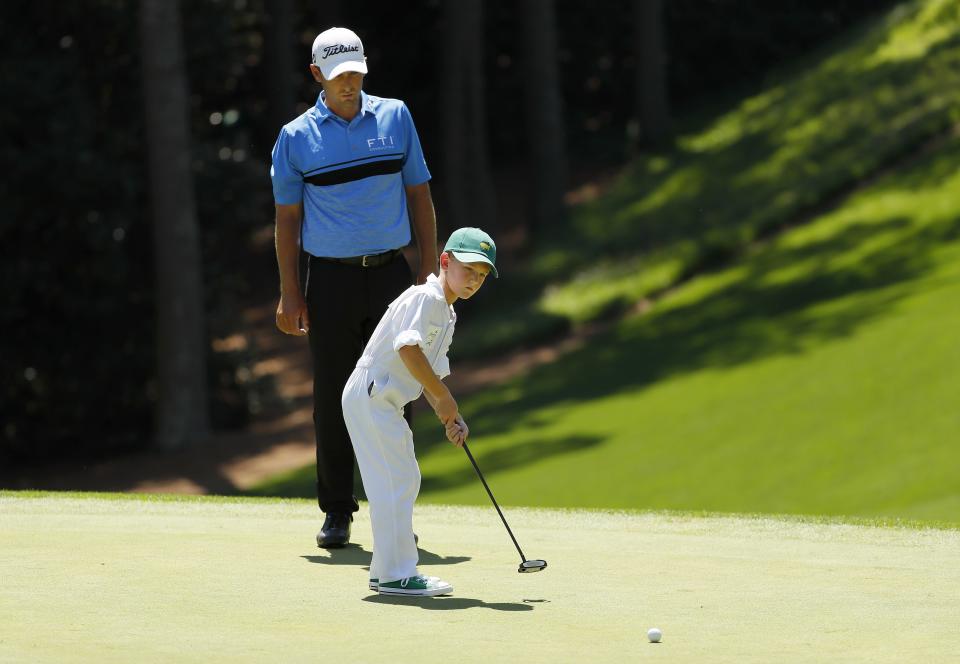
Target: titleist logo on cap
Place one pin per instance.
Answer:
(337, 50)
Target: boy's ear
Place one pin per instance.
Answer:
(444, 260)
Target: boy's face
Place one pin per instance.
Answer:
(463, 279)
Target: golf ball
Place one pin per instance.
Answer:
(654, 635)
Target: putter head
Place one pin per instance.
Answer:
(530, 566)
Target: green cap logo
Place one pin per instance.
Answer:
(472, 245)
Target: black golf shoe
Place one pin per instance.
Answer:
(335, 532)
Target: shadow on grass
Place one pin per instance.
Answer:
(356, 555)
(446, 603)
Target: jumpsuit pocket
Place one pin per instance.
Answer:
(380, 390)
(376, 385)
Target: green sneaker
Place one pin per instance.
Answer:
(375, 583)
(423, 586)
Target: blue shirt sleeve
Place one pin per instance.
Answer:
(287, 179)
(414, 169)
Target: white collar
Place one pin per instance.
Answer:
(433, 282)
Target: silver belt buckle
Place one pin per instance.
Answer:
(363, 263)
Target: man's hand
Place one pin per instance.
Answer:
(292, 315)
(292, 310)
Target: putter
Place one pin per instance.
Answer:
(526, 566)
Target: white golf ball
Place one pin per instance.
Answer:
(654, 635)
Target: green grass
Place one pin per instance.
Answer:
(69, 500)
(108, 578)
(812, 134)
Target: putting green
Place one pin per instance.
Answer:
(107, 578)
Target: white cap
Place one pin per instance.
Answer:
(338, 50)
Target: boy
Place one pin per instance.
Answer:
(407, 355)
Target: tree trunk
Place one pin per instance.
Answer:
(543, 107)
(652, 121)
(181, 344)
(281, 64)
(467, 180)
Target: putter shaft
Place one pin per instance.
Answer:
(494, 500)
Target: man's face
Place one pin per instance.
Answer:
(341, 91)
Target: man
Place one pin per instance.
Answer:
(349, 177)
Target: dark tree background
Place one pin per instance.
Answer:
(78, 328)
(467, 182)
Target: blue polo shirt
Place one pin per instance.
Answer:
(350, 176)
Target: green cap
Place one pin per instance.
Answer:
(472, 245)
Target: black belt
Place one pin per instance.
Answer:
(369, 260)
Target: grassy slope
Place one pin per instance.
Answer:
(107, 580)
(812, 375)
(817, 376)
(840, 117)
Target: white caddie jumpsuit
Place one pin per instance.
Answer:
(373, 400)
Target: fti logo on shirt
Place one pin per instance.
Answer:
(431, 336)
(381, 143)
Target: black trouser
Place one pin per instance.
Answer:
(345, 303)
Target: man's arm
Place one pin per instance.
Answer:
(424, 220)
(292, 308)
